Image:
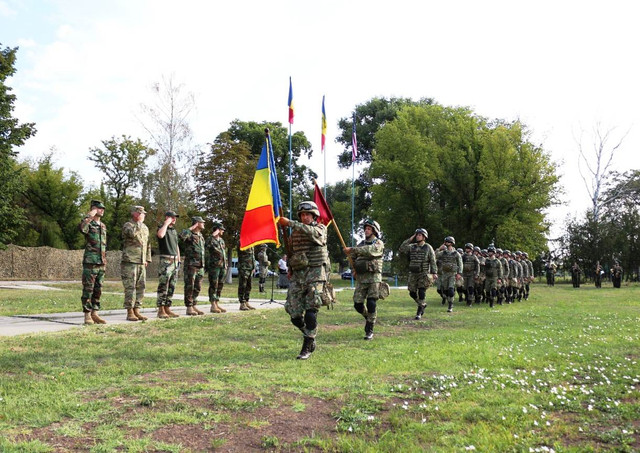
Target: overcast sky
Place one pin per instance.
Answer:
(561, 67)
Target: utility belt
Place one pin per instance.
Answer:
(169, 257)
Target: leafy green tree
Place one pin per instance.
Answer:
(12, 134)
(223, 183)
(53, 203)
(123, 162)
(452, 172)
(252, 133)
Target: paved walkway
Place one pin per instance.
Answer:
(53, 322)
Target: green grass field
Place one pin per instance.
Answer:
(558, 372)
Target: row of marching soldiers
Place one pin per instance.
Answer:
(490, 275)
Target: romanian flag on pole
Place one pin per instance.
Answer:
(259, 225)
(290, 102)
(326, 216)
(324, 126)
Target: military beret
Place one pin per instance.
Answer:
(196, 219)
(97, 204)
(171, 214)
(139, 209)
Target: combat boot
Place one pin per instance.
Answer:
(450, 309)
(137, 314)
(243, 306)
(491, 302)
(306, 351)
(197, 310)
(214, 308)
(420, 312)
(87, 318)
(191, 311)
(222, 310)
(130, 315)
(261, 287)
(368, 331)
(162, 314)
(167, 310)
(97, 319)
(249, 307)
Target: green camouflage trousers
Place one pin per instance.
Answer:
(216, 283)
(167, 277)
(418, 280)
(363, 292)
(192, 285)
(303, 296)
(244, 285)
(134, 278)
(92, 278)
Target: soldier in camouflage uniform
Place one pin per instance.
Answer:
(263, 266)
(94, 262)
(462, 292)
(422, 262)
(523, 272)
(193, 264)
(308, 273)
(439, 289)
(526, 261)
(169, 263)
(217, 265)
(246, 266)
(451, 268)
(515, 274)
(502, 285)
(136, 255)
(470, 272)
(367, 256)
(493, 274)
(616, 275)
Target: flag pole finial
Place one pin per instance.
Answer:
(266, 131)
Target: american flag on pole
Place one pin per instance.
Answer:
(354, 140)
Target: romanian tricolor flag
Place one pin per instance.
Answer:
(324, 126)
(290, 102)
(259, 225)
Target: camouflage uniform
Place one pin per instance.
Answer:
(470, 273)
(493, 272)
(193, 265)
(502, 288)
(422, 262)
(246, 265)
(480, 279)
(514, 279)
(451, 265)
(94, 262)
(136, 254)
(529, 264)
(263, 265)
(308, 269)
(575, 275)
(167, 267)
(367, 256)
(616, 275)
(217, 265)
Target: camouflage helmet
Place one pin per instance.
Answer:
(477, 249)
(498, 250)
(507, 252)
(310, 207)
(423, 232)
(518, 253)
(468, 245)
(491, 249)
(525, 254)
(459, 250)
(484, 251)
(375, 226)
(450, 239)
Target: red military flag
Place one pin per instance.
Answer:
(326, 217)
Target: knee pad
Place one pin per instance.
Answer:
(371, 305)
(298, 322)
(413, 294)
(359, 307)
(451, 292)
(494, 292)
(471, 290)
(310, 319)
(421, 293)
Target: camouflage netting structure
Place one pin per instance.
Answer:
(47, 263)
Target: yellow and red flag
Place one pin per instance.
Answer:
(259, 225)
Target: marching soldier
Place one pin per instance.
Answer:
(422, 262)
(263, 266)
(526, 261)
(575, 275)
(616, 275)
(470, 272)
(94, 262)
(246, 266)
(524, 281)
(136, 255)
(493, 274)
(217, 265)
(461, 290)
(193, 264)
(451, 268)
(503, 283)
(308, 272)
(168, 265)
(597, 276)
(368, 268)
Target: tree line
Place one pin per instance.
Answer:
(423, 164)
